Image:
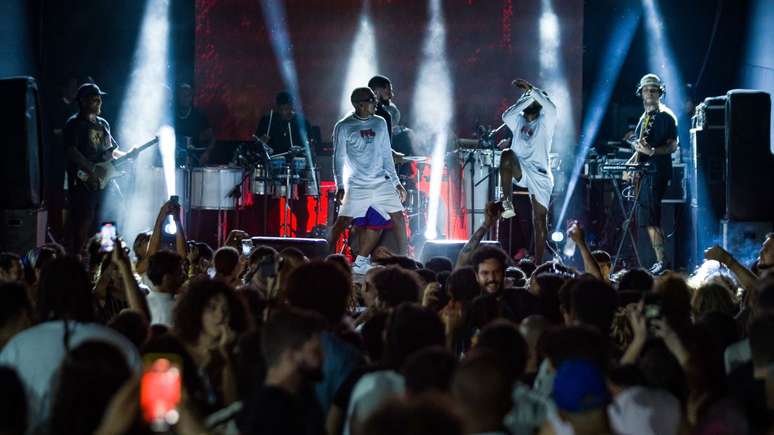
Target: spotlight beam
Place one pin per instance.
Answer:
(615, 53)
(143, 110)
(276, 25)
(433, 105)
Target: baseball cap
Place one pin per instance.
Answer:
(650, 80)
(89, 89)
(360, 95)
(580, 386)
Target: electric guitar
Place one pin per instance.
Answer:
(647, 125)
(111, 167)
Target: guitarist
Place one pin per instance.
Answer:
(87, 141)
(654, 140)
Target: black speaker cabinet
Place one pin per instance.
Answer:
(312, 248)
(447, 248)
(22, 230)
(20, 166)
(749, 161)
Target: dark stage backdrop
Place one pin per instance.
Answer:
(489, 42)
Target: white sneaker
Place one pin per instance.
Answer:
(361, 267)
(508, 211)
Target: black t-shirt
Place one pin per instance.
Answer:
(663, 127)
(282, 133)
(272, 410)
(381, 111)
(92, 139)
(191, 125)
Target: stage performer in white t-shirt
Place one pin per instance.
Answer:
(373, 196)
(532, 121)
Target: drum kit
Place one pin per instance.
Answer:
(219, 188)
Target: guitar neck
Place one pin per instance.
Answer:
(140, 148)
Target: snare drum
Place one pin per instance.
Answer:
(210, 187)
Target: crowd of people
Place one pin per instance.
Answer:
(275, 343)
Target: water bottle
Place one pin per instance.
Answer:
(569, 248)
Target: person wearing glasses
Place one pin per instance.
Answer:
(371, 198)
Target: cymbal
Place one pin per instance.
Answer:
(416, 158)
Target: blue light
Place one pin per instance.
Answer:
(616, 51)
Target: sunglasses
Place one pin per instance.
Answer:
(370, 100)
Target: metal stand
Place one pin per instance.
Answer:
(626, 224)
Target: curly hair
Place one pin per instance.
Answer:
(395, 285)
(189, 309)
(713, 297)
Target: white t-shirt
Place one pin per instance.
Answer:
(37, 352)
(160, 306)
(532, 140)
(363, 145)
(532, 143)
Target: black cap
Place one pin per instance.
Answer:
(89, 89)
(361, 95)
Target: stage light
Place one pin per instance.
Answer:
(148, 103)
(433, 107)
(557, 237)
(363, 63)
(615, 54)
(553, 80)
(276, 25)
(663, 62)
(167, 148)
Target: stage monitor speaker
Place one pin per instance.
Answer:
(708, 177)
(22, 230)
(312, 248)
(20, 167)
(749, 161)
(448, 248)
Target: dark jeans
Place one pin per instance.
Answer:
(85, 206)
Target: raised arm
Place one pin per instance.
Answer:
(590, 265)
(134, 296)
(491, 215)
(745, 276)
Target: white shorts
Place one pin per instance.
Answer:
(540, 184)
(383, 198)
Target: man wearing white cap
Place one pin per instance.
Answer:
(654, 140)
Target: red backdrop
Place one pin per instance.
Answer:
(489, 42)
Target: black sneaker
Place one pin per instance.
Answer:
(658, 268)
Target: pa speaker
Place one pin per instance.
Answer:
(749, 161)
(20, 167)
(448, 248)
(312, 248)
(22, 230)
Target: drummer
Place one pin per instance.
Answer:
(280, 129)
(192, 128)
